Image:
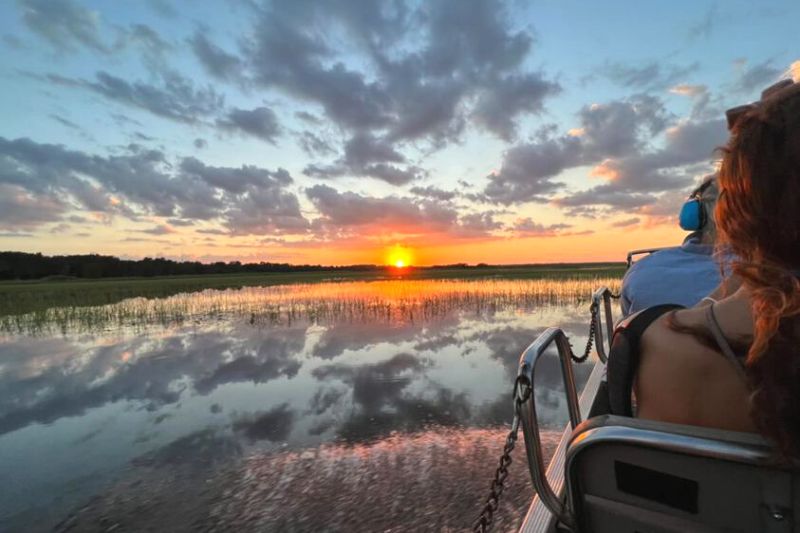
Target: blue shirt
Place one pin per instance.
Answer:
(681, 275)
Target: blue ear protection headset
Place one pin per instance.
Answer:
(693, 214)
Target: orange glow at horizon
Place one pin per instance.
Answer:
(399, 257)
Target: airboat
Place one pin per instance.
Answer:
(613, 474)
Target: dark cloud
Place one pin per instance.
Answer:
(365, 155)
(344, 214)
(65, 122)
(314, 145)
(308, 117)
(261, 122)
(217, 62)
(159, 229)
(611, 130)
(343, 210)
(141, 181)
(174, 97)
(526, 227)
(200, 143)
(497, 109)
(234, 180)
(153, 48)
(466, 62)
(63, 23)
(180, 222)
(637, 180)
(20, 208)
(528, 170)
(434, 193)
(757, 77)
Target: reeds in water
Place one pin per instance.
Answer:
(360, 301)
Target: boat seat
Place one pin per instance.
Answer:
(626, 475)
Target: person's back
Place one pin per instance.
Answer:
(681, 275)
(684, 274)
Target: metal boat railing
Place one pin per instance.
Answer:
(633, 253)
(548, 506)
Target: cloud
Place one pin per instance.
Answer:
(348, 209)
(638, 180)
(145, 38)
(464, 63)
(160, 229)
(526, 227)
(434, 193)
(607, 132)
(365, 155)
(20, 209)
(626, 222)
(200, 143)
(63, 24)
(216, 61)
(175, 97)
(234, 180)
(497, 109)
(704, 27)
(347, 214)
(314, 145)
(794, 71)
(654, 74)
(65, 122)
(685, 89)
(755, 78)
(261, 122)
(528, 170)
(140, 181)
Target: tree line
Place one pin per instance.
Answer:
(21, 265)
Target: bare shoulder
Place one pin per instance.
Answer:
(680, 352)
(681, 380)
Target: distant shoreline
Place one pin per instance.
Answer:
(29, 267)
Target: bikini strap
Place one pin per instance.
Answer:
(723, 343)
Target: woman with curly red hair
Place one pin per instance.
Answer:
(735, 363)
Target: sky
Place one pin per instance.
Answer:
(357, 131)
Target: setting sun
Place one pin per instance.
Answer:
(399, 257)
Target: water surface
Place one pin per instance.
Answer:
(275, 408)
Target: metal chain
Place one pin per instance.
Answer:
(592, 329)
(522, 390)
(593, 310)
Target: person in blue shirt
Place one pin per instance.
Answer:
(684, 274)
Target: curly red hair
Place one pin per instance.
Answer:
(758, 219)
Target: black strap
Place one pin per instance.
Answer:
(623, 361)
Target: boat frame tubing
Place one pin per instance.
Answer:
(530, 425)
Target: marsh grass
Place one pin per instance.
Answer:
(398, 300)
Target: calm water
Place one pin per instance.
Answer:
(353, 406)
